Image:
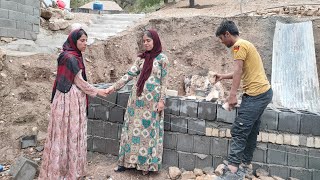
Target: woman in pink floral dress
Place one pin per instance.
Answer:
(65, 150)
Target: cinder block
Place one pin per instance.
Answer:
(122, 99)
(111, 130)
(189, 108)
(170, 158)
(217, 160)
(167, 122)
(256, 166)
(203, 161)
(24, 169)
(17, 33)
(269, 120)
(117, 114)
(24, 25)
(30, 35)
(98, 128)
(99, 145)
(19, 1)
(289, 122)
(94, 100)
(186, 161)
(110, 100)
(196, 126)
(89, 143)
(225, 116)
(314, 159)
(33, 2)
(173, 106)
(260, 154)
(185, 143)
(25, 8)
(10, 5)
(101, 112)
(277, 154)
(316, 174)
(36, 12)
(201, 144)
(179, 124)
(219, 147)
(281, 171)
(89, 127)
(170, 140)
(14, 15)
(6, 23)
(112, 146)
(297, 157)
(4, 13)
(310, 124)
(91, 111)
(207, 111)
(301, 173)
(32, 19)
(3, 31)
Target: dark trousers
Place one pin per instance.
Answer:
(245, 128)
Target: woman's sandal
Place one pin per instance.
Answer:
(119, 169)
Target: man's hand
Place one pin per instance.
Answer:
(218, 77)
(232, 101)
(160, 106)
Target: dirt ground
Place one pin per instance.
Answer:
(188, 38)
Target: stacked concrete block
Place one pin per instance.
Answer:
(224, 115)
(179, 124)
(310, 124)
(187, 161)
(189, 108)
(301, 173)
(207, 111)
(196, 126)
(173, 106)
(122, 99)
(24, 169)
(19, 19)
(269, 119)
(289, 122)
(170, 157)
(277, 154)
(203, 161)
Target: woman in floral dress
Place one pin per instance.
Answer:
(141, 144)
(65, 151)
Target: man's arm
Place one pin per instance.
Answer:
(236, 78)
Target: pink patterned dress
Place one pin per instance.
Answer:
(65, 150)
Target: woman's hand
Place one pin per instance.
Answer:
(109, 90)
(160, 106)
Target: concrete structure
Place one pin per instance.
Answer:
(200, 136)
(19, 19)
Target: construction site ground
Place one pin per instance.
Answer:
(26, 79)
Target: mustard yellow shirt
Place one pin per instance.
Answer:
(254, 79)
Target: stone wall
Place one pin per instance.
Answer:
(197, 135)
(19, 18)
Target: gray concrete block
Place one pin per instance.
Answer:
(277, 154)
(122, 99)
(170, 140)
(186, 161)
(289, 122)
(314, 159)
(301, 173)
(219, 147)
(3, 32)
(217, 160)
(116, 114)
(269, 120)
(111, 130)
(27, 9)
(4, 13)
(196, 126)
(201, 144)
(310, 124)
(19, 1)
(36, 12)
(94, 100)
(203, 161)
(6, 23)
(185, 143)
(32, 19)
(98, 128)
(260, 153)
(207, 111)
(112, 146)
(16, 33)
(10, 5)
(102, 113)
(297, 157)
(14, 15)
(99, 145)
(225, 116)
(24, 169)
(316, 175)
(89, 143)
(24, 25)
(30, 35)
(35, 3)
(110, 100)
(170, 157)
(179, 124)
(256, 165)
(167, 122)
(281, 171)
(89, 126)
(173, 106)
(91, 111)
(189, 108)
(35, 28)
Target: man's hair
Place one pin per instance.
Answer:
(229, 26)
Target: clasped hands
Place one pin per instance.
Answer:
(106, 92)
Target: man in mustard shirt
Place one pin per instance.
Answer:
(257, 95)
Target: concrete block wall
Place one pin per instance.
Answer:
(197, 135)
(20, 18)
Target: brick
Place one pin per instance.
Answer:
(289, 122)
(89, 127)
(259, 137)
(196, 126)
(170, 157)
(186, 161)
(185, 143)
(98, 128)
(3, 31)
(91, 111)
(201, 144)
(207, 111)
(16, 33)
(317, 142)
(170, 140)
(219, 147)
(89, 143)
(225, 116)
(112, 146)
(269, 120)
(310, 141)
(310, 124)
(215, 132)
(6, 23)
(295, 140)
(300, 173)
(30, 35)
(281, 171)
(13, 15)
(25, 9)
(173, 106)
(101, 113)
(122, 99)
(24, 169)
(110, 100)
(32, 19)
(189, 108)
(228, 133)
(303, 140)
(203, 161)
(99, 144)
(297, 157)
(277, 154)
(111, 130)
(260, 153)
(179, 124)
(117, 114)
(24, 25)
(279, 139)
(272, 138)
(10, 5)
(4, 13)
(208, 131)
(264, 137)
(222, 132)
(314, 159)
(167, 122)
(287, 139)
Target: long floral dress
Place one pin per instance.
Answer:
(141, 144)
(65, 151)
